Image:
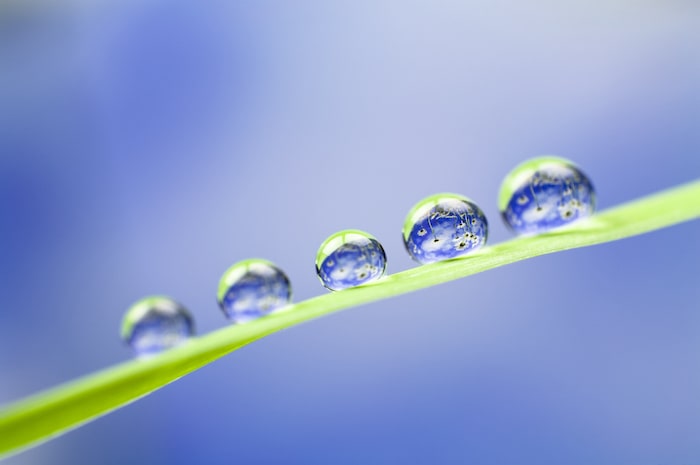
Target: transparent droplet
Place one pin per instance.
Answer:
(349, 258)
(545, 193)
(444, 226)
(156, 323)
(251, 289)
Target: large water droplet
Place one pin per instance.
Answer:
(349, 258)
(444, 226)
(545, 193)
(251, 289)
(156, 323)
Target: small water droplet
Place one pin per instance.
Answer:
(252, 288)
(156, 323)
(435, 227)
(544, 193)
(349, 258)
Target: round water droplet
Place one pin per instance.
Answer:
(251, 289)
(156, 323)
(545, 193)
(444, 226)
(349, 258)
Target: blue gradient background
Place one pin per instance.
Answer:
(145, 146)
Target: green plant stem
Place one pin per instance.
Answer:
(38, 418)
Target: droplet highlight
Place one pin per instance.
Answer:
(444, 226)
(155, 324)
(251, 289)
(545, 193)
(350, 258)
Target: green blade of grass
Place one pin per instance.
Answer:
(38, 418)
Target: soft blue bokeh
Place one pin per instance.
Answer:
(145, 146)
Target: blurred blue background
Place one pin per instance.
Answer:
(145, 146)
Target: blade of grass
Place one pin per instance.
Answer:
(38, 418)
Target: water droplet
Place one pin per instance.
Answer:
(349, 258)
(545, 193)
(156, 323)
(251, 289)
(444, 226)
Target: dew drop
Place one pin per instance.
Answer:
(252, 288)
(544, 193)
(349, 258)
(156, 323)
(435, 227)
